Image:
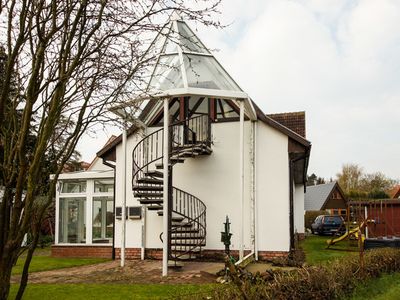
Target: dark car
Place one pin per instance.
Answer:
(328, 224)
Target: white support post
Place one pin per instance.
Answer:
(241, 159)
(57, 223)
(89, 211)
(165, 189)
(143, 248)
(123, 215)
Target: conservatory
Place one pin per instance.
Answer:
(84, 208)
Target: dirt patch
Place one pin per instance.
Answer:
(137, 271)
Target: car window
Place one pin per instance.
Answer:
(332, 220)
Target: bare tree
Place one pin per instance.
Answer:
(71, 60)
(349, 178)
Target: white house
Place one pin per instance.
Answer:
(225, 157)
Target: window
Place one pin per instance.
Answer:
(72, 220)
(225, 109)
(102, 219)
(73, 186)
(103, 186)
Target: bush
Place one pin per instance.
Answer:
(310, 216)
(331, 281)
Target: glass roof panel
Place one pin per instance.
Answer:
(167, 74)
(189, 41)
(205, 72)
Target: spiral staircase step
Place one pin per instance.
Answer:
(151, 201)
(147, 195)
(147, 188)
(154, 174)
(154, 207)
(149, 180)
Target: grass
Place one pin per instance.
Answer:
(110, 291)
(316, 252)
(386, 287)
(42, 261)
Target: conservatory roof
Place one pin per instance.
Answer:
(185, 66)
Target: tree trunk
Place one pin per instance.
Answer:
(5, 277)
(24, 277)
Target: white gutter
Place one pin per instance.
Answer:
(255, 194)
(245, 260)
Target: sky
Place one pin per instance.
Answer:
(338, 60)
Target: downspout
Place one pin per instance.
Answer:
(291, 200)
(291, 206)
(244, 260)
(255, 194)
(241, 176)
(252, 186)
(113, 238)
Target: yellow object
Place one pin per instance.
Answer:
(353, 231)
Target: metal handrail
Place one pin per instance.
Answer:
(184, 135)
(150, 149)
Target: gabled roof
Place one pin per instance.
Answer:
(316, 195)
(395, 192)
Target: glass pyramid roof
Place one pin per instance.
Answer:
(185, 65)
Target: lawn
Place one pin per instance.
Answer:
(316, 252)
(42, 261)
(386, 287)
(110, 291)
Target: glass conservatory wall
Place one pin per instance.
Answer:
(85, 211)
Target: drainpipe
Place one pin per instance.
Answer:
(252, 187)
(255, 193)
(241, 174)
(291, 206)
(291, 209)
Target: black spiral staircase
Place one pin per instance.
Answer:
(187, 213)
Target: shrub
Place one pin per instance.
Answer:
(332, 281)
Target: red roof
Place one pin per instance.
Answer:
(295, 121)
(394, 192)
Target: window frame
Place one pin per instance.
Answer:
(90, 194)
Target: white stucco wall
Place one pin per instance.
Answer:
(298, 202)
(133, 227)
(272, 189)
(97, 165)
(215, 180)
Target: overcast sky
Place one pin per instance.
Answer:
(339, 60)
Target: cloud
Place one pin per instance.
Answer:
(339, 61)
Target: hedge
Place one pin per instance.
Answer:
(332, 281)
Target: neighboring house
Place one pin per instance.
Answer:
(226, 158)
(394, 193)
(329, 197)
